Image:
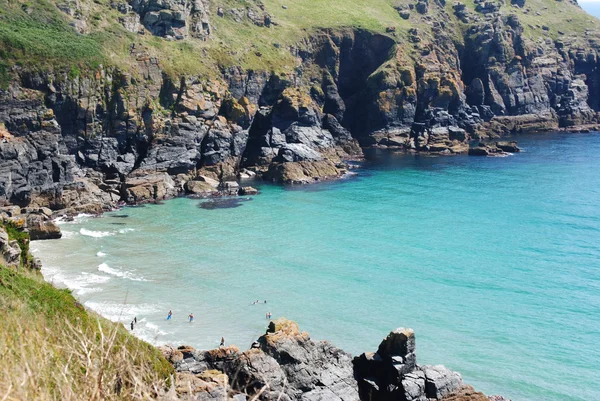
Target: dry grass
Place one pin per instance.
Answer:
(52, 349)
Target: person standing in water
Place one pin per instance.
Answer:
(191, 317)
(132, 325)
(222, 342)
(135, 319)
(169, 315)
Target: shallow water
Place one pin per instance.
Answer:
(495, 262)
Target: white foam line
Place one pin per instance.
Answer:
(95, 234)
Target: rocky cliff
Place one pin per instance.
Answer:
(136, 101)
(285, 364)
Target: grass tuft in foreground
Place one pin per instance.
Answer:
(51, 348)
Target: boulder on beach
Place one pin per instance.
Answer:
(199, 187)
(40, 227)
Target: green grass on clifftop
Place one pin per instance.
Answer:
(35, 34)
(51, 348)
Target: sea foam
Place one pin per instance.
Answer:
(105, 268)
(95, 234)
(79, 284)
(122, 312)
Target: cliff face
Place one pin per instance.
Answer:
(442, 76)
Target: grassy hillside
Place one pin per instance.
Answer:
(53, 349)
(35, 33)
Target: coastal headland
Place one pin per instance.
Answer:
(104, 104)
(181, 98)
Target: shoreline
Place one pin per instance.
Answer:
(242, 185)
(325, 337)
(58, 217)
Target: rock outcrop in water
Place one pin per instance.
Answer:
(392, 373)
(445, 77)
(285, 364)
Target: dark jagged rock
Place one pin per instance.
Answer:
(392, 373)
(285, 364)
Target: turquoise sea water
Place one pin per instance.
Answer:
(495, 262)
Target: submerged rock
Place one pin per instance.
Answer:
(223, 203)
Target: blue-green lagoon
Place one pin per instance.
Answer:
(495, 262)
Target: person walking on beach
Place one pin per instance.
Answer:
(169, 315)
(191, 317)
(222, 342)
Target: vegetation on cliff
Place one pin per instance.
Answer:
(76, 35)
(51, 348)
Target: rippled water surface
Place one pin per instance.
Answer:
(495, 262)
